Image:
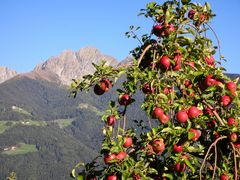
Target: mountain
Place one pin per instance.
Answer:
(6, 73)
(69, 65)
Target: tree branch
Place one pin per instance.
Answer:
(143, 53)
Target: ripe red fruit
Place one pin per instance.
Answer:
(112, 177)
(231, 121)
(107, 84)
(177, 60)
(149, 149)
(111, 120)
(157, 112)
(91, 177)
(177, 148)
(127, 142)
(188, 84)
(147, 89)
(136, 176)
(121, 155)
(158, 30)
(191, 13)
(108, 158)
(124, 99)
(182, 116)
(210, 60)
(103, 86)
(226, 100)
(193, 112)
(180, 167)
(99, 88)
(233, 137)
(165, 63)
(209, 81)
(158, 146)
(196, 134)
(231, 86)
(168, 29)
(202, 17)
(164, 118)
(224, 177)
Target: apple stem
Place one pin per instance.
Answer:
(235, 162)
(205, 158)
(215, 162)
(124, 118)
(143, 53)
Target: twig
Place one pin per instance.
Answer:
(124, 118)
(218, 41)
(215, 162)
(143, 53)
(149, 121)
(205, 158)
(235, 162)
(215, 113)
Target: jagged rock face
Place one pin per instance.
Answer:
(69, 64)
(6, 74)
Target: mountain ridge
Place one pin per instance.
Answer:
(62, 68)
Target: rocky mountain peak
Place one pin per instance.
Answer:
(69, 64)
(6, 73)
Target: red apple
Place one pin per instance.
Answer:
(111, 120)
(168, 29)
(108, 158)
(121, 155)
(202, 17)
(233, 137)
(182, 116)
(158, 146)
(157, 112)
(177, 59)
(136, 176)
(191, 13)
(209, 80)
(231, 86)
(147, 89)
(127, 142)
(165, 63)
(210, 60)
(231, 122)
(91, 177)
(124, 99)
(193, 112)
(177, 148)
(164, 118)
(158, 30)
(180, 167)
(99, 88)
(112, 177)
(197, 134)
(188, 84)
(226, 100)
(224, 177)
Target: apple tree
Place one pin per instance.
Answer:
(178, 69)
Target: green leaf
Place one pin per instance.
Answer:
(168, 129)
(189, 165)
(190, 135)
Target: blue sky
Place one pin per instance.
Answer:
(33, 30)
